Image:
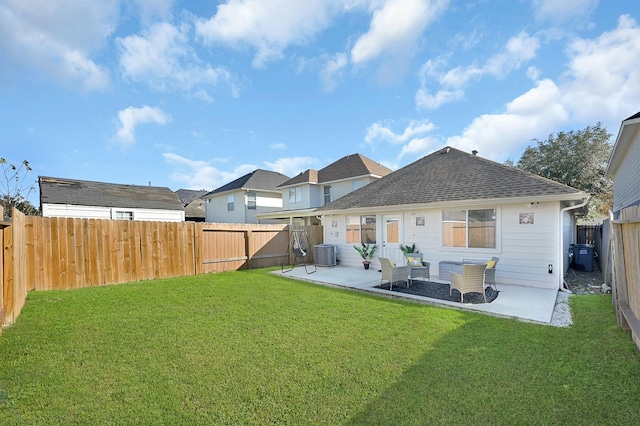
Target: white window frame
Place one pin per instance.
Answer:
(295, 195)
(360, 221)
(231, 199)
(466, 223)
(252, 199)
(116, 212)
(327, 192)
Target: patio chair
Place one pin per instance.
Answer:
(419, 269)
(490, 272)
(471, 280)
(394, 274)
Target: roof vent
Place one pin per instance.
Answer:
(474, 152)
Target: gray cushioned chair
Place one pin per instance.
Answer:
(470, 281)
(394, 274)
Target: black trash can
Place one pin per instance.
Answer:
(582, 257)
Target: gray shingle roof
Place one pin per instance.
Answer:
(633, 117)
(449, 175)
(350, 166)
(188, 195)
(88, 193)
(258, 180)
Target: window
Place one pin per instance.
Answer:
(295, 195)
(357, 184)
(469, 228)
(251, 200)
(230, 201)
(361, 229)
(327, 194)
(124, 215)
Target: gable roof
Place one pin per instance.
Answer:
(624, 142)
(450, 175)
(350, 166)
(258, 180)
(100, 194)
(188, 195)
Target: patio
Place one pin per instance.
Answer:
(523, 303)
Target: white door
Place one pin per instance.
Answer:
(391, 230)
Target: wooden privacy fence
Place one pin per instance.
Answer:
(624, 253)
(66, 253)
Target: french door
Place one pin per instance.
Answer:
(391, 231)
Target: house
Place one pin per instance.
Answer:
(193, 203)
(302, 194)
(60, 197)
(243, 199)
(624, 165)
(453, 206)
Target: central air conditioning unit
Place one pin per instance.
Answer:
(325, 254)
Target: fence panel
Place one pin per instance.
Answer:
(626, 270)
(64, 253)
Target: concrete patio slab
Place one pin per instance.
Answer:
(513, 301)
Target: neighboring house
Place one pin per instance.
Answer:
(302, 194)
(624, 165)
(193, 203)
(61, 197)
(244, 198)
(453, 206)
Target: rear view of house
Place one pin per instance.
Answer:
(241, 200)
(453, 206)
(60, 197)
(310, 189)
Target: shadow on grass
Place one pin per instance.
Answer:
(523, 374)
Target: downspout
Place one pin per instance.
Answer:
(562, 285)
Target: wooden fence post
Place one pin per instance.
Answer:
(619, 294)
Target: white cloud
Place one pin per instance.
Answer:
(46, 35)
(536, 113)
(332, 71)
(602, 84)
(131, 117)
(268, 26)
(517, 51)
(603, 80)
(377, 131)
(290, 166)
(414, 137)
(162, 58)
(198, 174)
(561, 11)
(419, 146)
(278, 146)
(154, 9)
(395, 25)
(428, 101)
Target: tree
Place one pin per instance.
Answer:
(14, 188)
(576, 158)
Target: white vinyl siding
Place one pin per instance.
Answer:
(525, 251)
(626, 191)
(97, 212)
(265, 202)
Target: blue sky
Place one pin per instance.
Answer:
(192, 95)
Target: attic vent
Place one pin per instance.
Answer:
(474, 152)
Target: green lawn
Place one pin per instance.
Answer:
(253, 348)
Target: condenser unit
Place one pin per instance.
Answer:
(325, 254)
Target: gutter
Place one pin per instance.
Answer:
(562, 284)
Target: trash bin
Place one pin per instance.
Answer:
(582, 257)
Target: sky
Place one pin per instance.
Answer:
(193, 95)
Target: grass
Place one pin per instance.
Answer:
(253, 348)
